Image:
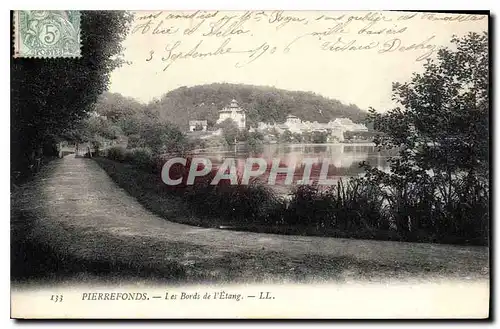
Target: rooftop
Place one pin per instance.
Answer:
(233, 106)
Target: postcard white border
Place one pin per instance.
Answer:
(192, 4)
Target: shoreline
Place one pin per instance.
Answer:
(224, 148)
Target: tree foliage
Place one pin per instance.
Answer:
(50, 96)
(123, 118)
(115, 106)
(161, 137)
(442, 121)
(230, 130)
(440, 177)
(262, 103)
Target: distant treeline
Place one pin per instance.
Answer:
(262, 103)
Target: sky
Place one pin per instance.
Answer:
(353, 57)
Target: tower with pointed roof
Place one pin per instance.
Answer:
(235, 113)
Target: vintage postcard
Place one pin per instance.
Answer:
(250, 165)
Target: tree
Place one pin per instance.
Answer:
(95, 130)
(442, 121)
(98, 126)
(115, 106)
(286, 137)
(254, 139)
(319, 137)
(230, 130)
(148, 130)
(48, 97)
(297, 138)
(439, 179)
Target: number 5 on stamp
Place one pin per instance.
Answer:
(46, 34)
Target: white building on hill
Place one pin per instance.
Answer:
(235, 113)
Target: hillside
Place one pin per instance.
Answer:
(267, 104)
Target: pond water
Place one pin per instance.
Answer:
(340, 160)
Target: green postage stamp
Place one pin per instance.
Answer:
(46, 34)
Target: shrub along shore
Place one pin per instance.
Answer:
(353, 208)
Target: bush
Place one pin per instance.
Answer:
(215, 141)
(255, 139)
(253, 203)
(96, 145)
(116, 153)
(456, 211)
(140, 156)
(452, 211)
(350, 207)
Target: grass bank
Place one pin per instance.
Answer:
(247, 208)
(61, 235)
(348, 210)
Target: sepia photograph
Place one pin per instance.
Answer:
(259, 164)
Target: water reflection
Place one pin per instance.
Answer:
(343, 159)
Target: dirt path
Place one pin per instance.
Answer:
(82, 215)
